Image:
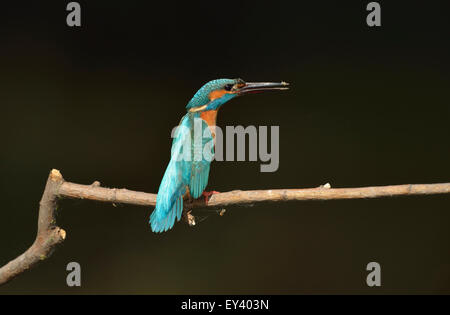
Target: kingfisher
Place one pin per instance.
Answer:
(187, 173)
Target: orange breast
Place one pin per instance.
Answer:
(210, 117)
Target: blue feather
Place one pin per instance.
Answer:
(174, 182)
(181, 173)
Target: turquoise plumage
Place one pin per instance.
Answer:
(193, 148)
(182, 173)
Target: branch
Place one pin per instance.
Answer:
(49, 235)
(239, 197)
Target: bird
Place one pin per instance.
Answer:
(186, 175)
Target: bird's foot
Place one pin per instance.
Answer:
(190, 219)
(208, 194)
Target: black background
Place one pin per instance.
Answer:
(368, 106)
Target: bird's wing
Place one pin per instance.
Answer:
(169, 202)
(201, 161)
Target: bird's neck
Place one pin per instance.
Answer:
(210, 116)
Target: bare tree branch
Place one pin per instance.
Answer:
(49, 235)
(239, 197)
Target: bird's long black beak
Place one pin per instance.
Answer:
(257, 87)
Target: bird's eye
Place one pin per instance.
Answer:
(229, 87)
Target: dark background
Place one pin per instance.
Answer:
(368, 106)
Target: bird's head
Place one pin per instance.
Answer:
(217, 92)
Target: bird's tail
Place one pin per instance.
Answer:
(163, 218)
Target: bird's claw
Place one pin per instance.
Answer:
(190, 219)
